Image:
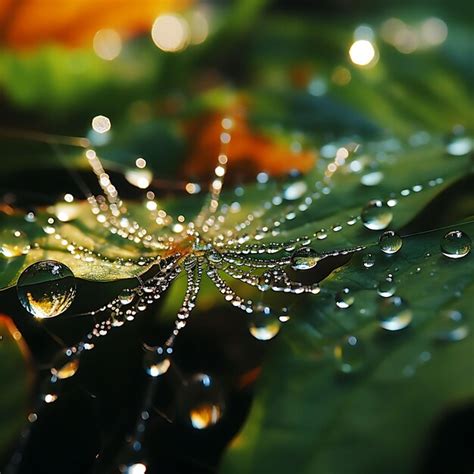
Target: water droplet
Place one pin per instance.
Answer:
(133, 468)
(456, 244)
(46, 289)
(156, 361)
(305, 259)
(459, 145)
(386, 287)
(126, 296)
(284, 316)
(394, 313)
(390, 242)
(344, 298)
(452, 327)
(13, 243)
(263, 323)
(368, 260)
(65, 364)
(201, 401)
(372, 179)
(214, 257)
(350, 355)
(49, 397)
(376, 215)
(321, 234)
(295, 190)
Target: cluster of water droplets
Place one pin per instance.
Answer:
(208, 247)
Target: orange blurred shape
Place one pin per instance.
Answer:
(25, 24)
(250, 377)
(249, 152)
(9, 334)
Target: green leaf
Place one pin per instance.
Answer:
(327, 419)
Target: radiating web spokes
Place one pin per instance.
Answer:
(194, 268)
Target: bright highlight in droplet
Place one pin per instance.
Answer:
(362, 52)
(107, 44)
(193, 188)
(101, 124)
(141, 178)
(140, 163)
(170, 32)
(137, 468)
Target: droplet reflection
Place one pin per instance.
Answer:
(46, 289)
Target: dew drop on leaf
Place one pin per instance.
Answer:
(459, 145)
(376, 215)
(386, 287)
(305, 259)
(201, 402)
(368, 260)
(350, 355)
(321, 234)
(263, 323)
(452, 326)
(13, 243)
(372, 179)
(390, 242)
(394, 313)
(456, 244)
(156, 361)
(344, 298)
(295, 190)
(46, 289)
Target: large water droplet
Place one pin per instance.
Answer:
(394, 313)
(201, 401)
(65, 364)
(305, 259)
(344, 298)
(13, 243)
(376, 215)
(156, 361)
(456, 244)
(386, 287)
(390, 242)
(350, 355)
(46, 289)
(263, 323)
(452, 327)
